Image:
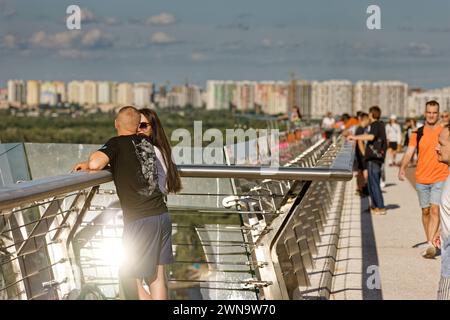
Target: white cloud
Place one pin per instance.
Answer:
(95, 38)
(197, 56)
(87, 16)
(59, 40)
(162, 19)
(91, 39)
(161, 38)
(9, 41)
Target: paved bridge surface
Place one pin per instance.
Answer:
(388, 245)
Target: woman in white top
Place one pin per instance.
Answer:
(328, 125)
(169, 181)
(394, 138)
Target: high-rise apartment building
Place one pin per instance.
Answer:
(125, 95)
(60, 91)
(390, 96)
(33, 93)
(272, 97)
(245, 95)
(107, 92)
(89, 93)
(74, 92)
(193, 96)
(16, 92)
(417, 101)
(221, 94)
(48, 93)
(300, 95)
(331, 96)
(363, 96)
(142, 93)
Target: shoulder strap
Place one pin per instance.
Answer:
(419, 136)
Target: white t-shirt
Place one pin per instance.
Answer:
(444, 210)
(162, 171)
(393, 133)
(328, 123)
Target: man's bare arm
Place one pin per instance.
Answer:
(98, 160)
(362, 137)
(406, 159)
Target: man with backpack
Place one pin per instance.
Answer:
(375, 154)
(430, 173)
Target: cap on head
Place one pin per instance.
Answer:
(393, 117)
(128, 119)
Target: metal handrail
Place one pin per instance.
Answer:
(13, 196)
(325, 161)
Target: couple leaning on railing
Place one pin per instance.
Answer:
(141, 163)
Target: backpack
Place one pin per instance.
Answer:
(419, 136)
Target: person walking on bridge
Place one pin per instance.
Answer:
(442, 238)
(430, 173)
(394, 138)
(328, 125)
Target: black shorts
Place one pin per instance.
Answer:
(392, 145)
(361, 163)
(147, 243)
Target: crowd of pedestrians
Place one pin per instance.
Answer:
(425, 146)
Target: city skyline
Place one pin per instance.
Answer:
(252, 40)
(313, 98)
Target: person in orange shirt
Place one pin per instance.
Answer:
(351, 122)
(430, 173)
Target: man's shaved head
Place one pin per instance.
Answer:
(128, 119)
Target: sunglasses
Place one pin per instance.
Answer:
(444, 116)
(144, 125)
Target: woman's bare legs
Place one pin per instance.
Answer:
(157, 286)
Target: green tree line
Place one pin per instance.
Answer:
(99, 127)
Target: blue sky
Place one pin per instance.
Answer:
(175, 40)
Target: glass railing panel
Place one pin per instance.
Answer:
(52, 159)
(13, 164)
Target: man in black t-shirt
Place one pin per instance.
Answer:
(375, 154)
(147, 226)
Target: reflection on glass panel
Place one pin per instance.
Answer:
(13, 164)
(201, 192)
(210, 258)
(61, 156)
(208, 155)
(8, 274)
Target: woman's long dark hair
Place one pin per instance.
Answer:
(159, 140)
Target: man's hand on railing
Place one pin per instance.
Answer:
(82, 166)
(350, 137)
